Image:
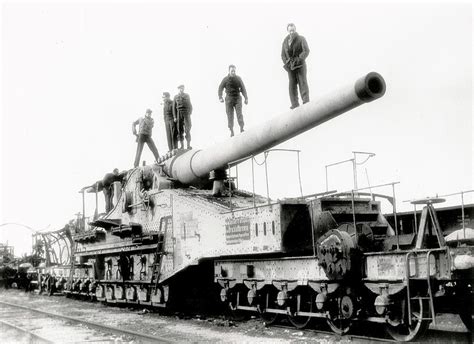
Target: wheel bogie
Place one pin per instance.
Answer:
(339, 303)
(302, 304)
(409, 326)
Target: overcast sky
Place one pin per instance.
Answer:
(75, 76)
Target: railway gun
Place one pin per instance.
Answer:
(180, 230)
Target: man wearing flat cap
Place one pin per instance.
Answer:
(182, 109)
(145, 126)
(170, 122)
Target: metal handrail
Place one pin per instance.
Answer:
(266, 153)
(394, 208)
(338, 163)
(407, 274)
(366, 188)
(354, 165)
(428, 278)
(447, 195)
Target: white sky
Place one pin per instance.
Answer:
(75, 76)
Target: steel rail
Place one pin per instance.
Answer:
(31, 335)
(333, 334)
(93, 324)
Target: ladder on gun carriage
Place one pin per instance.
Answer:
(428, 212)
(160, 251)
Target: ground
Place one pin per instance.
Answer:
(205, 329)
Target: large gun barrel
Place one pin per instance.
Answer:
(195, 165)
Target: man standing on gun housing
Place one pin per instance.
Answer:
(233, 85)
(182, 110)
(107, 183)
(170, 122)
(293, 54)
(145, 126)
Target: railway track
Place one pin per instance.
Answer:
(40, 326)
(36, 320)
(375, 335)
(351, 337)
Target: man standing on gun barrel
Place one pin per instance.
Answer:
(145, 126)
(182, 110)
(293, 54)
(233, 85)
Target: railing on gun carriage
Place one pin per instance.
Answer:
(354, 166)
(463, 216)
(392, 200)
(254, 161)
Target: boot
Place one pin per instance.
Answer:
(242, 129)
(181, 145)
(231, 132)
(188, 144)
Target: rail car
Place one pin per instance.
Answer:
(180, 230)
(7, 266)
(360, 270)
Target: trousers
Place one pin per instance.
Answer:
(232, 103)
(171, 134)
(142, 139)
(297, 78)
(184, 125)
(109, 196)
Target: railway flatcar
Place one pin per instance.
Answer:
(180, 230)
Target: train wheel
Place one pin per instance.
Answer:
(268, 300)
(238, 297)
(465, 306)
(466, 317)
(341, 311)
(339, 325)
(239, 315)
(303, 302)
(404, 332)
(269, 318)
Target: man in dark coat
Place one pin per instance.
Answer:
(108, 189)
(182, 110)
(170, 122)
(293, 54)
(145, 126)
(233, 86)
(107, 186)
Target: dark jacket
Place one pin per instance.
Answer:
(110, 178)
(168, 109)
(233, 86)
(182, 102)
(145, 125)
(294, 55)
